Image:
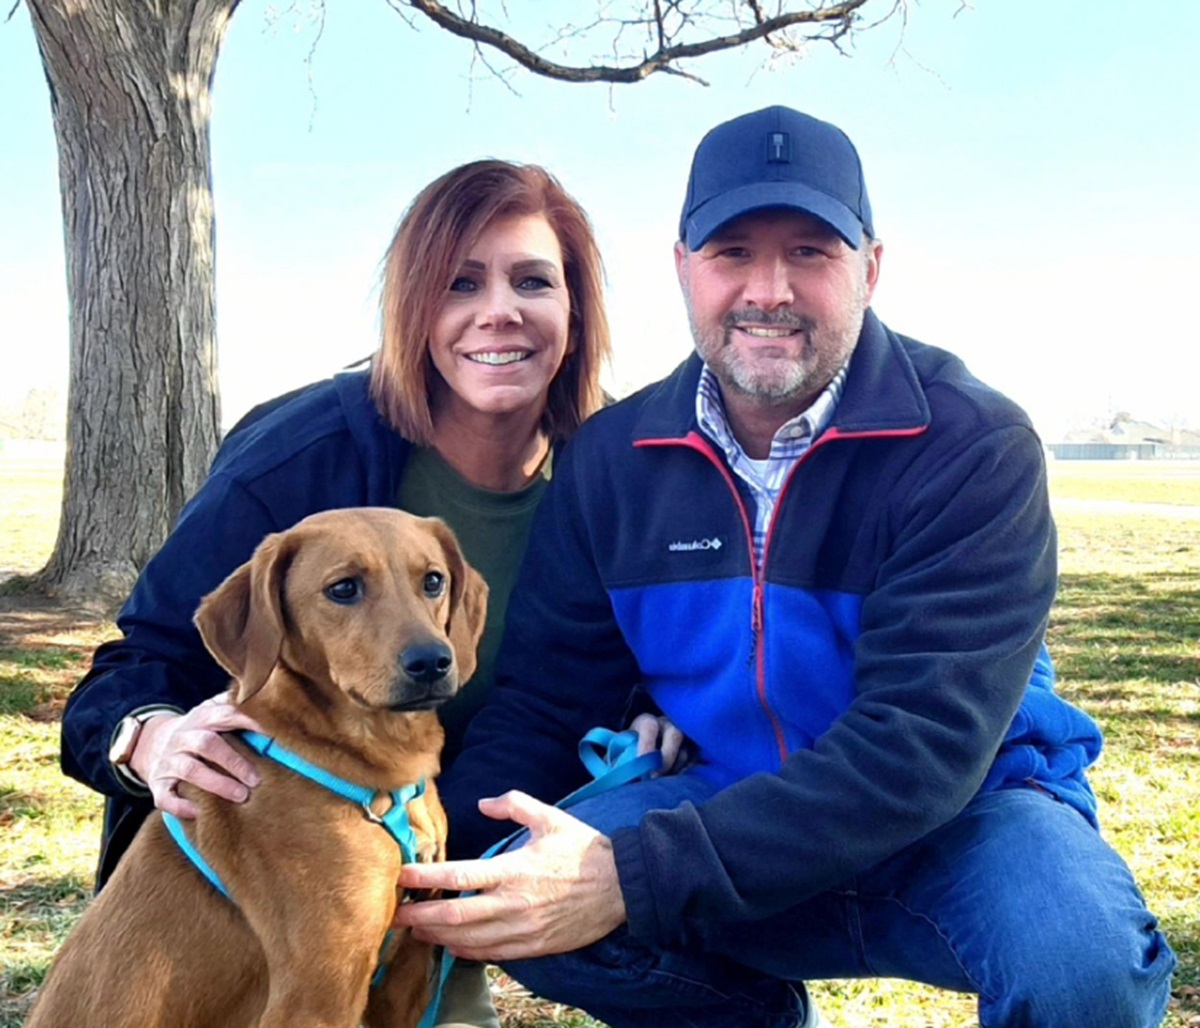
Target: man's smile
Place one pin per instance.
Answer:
(768, 332)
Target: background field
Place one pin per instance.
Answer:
(1125, 634)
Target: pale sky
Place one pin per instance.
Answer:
(1034, 170)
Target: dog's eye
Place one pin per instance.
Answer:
(345, 590)
(434, 584)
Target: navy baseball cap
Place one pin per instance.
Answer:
(775, 157)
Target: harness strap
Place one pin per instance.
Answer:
(266, 746)
(175, 827)
(394, 821)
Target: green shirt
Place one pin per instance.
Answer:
(492, 529)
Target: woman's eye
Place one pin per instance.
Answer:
(434, 584)
(345, 590)
(534, 282)
(462, 285)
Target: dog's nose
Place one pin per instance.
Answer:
(427, 663)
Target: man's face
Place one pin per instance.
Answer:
(776, 301)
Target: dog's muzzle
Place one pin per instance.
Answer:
(426, 678)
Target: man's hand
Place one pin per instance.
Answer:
(660, 733)
(189, 747)
(557, 893)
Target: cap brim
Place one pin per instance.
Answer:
(703, 222)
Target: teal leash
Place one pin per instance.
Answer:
(612, 760)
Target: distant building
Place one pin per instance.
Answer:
(1126, 438)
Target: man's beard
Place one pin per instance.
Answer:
(780, 379)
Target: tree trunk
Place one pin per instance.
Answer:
(130, 87)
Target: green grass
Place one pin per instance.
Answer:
(1125, 635)
(49, 827)
(1175, 483)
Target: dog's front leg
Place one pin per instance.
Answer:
(400, 998)
(318, 993)
(320, 904)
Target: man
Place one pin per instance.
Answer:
(825, 552)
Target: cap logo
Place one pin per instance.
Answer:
(779, 148)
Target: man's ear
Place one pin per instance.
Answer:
(681, 256)
(241, 621)
(873, 258)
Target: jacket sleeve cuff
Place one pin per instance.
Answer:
(641, 911)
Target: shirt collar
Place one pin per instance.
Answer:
(792, 438)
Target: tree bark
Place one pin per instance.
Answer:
(130, 85)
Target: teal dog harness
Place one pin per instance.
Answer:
(394, 821)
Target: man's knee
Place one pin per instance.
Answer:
(1099, 986)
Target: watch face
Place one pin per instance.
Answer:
(122, 744)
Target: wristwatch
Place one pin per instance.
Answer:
(125, 739)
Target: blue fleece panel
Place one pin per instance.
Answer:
(714, 691)
(1050, 742)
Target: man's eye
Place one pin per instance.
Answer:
(345, 591)
(434, 584)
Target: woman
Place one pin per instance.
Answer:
(494, 334)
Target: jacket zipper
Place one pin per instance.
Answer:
(757, 657)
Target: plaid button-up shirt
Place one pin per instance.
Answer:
(764, 478)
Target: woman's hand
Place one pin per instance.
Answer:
(660, 733)
(189, 747)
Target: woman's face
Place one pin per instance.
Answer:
(500, 335)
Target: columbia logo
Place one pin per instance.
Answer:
(696, 544)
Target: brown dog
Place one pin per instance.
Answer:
(342, 636)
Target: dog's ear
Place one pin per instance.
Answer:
(468, 602)
(241, 621)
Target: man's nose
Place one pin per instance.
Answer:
(769, 284)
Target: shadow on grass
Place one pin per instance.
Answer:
(1113, 628)
(1184, 938)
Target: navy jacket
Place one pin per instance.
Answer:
(318, 448)
(883, 665)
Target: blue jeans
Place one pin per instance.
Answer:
(1017, 900)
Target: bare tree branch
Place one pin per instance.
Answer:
(665, 22)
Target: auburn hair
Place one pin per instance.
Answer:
(433, 238)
